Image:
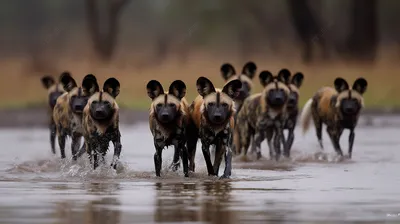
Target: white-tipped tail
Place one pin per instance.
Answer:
(305, 116)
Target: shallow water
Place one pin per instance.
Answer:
(38, 187)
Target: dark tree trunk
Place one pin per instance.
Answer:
(104, 42)
(307, 27)
(363, 40)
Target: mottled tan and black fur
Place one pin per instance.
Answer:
(338, 108)
(212, 120)
(263, 115)
(101, 122)
(68, 110)
(249, 70)
(54, 90)
(292, 107)
(293, 83)
(168, 120)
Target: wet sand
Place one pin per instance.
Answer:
(38, 187)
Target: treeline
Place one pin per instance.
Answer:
(318, 29)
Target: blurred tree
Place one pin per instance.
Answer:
(104, 42)
(32, 25)
(308, 28)
(362, 42)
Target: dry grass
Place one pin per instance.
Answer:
(19, 89)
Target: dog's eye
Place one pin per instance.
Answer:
(159, 105)
(172, 105)
(95, 102)
(225, 105)
(211, 104)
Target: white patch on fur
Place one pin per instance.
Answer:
(202, 108)
(272, 114)
(234, 107)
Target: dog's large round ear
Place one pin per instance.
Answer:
(249, 69)
(341, 84)
(111, 86)
(227, 71)
(67, 81)
(47, 81)
(265, 78)
(284, 75)
(232, 88)
(90, 85)
(360, 85)
(204, 86)
(177, 89)
(297, 79)
(154, 89)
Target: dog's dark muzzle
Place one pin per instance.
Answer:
(101, 111)
(350, 107)
(165, 115)
(101, 114)
(53, 98)
(217, 116)
(292, 102)
(78, 104)
(276, 98)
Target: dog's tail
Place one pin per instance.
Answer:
(305, 116)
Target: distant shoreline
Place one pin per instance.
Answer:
(37, 116)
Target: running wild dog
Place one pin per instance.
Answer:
(293, 83)
(338, 108)
(168, 120)
(292, 107)
(263, 116)
(101, 122)
(54, 90)
(228, 72)
(68, 110)
(212, 119)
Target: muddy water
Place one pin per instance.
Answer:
(37, 187)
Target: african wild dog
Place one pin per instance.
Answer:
(338, 108)
(294, 83)
(292, 108)
(54, 90)
(168, 120)
(263, 115)
(101, 121)
(212, 119)
(68, 110)
(228, 72)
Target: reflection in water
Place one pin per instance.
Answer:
(183, 202)
(174, 202)
(215, 206)
(305, 190)
(101, 211)
(101, 188)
